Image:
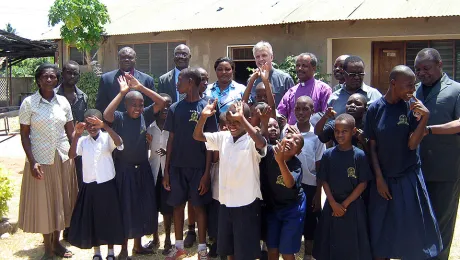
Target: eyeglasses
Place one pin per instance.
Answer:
(360, 75)
(181, 55)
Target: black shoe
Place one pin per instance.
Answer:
(190, 239)
(213, 250)
(263, 255)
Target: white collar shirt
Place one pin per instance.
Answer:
(159, 140)
(311, 153)
(97, 157)
(47, 120)
(239, 173)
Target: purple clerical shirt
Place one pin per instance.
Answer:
(316, 89)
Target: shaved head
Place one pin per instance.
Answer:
(428, 54)
(342, 58)
(346, 119)
(307, 100)
(401, 70)
(131, 95)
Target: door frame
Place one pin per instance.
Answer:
(376, 46)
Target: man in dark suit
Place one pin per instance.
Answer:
(440, 154)
(109, 86)
(167, 82)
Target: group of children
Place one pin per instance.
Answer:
(250, 178)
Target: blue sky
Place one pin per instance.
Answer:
(28, 17)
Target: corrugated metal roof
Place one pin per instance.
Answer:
(144, 16)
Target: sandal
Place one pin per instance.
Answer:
(110, 257)
(64, 254)
(97, 257)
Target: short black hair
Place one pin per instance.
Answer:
(70, 62)
(93, 112)
(246, 110)
(352, 59)
(224, 59)
(361, 96)
(165, 95)
(348, 119)
(306, 99)
(313, 59)
(44, 66)
(133, 94)
(191, 73)
(401, 70)
(260, 105)
(429, 54)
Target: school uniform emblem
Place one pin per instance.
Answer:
(280, 181)
(351, 172)
(194, 116)
(403, 120)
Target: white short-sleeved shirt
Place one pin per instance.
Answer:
(312, 152)
(96, 156)
(159, 140)
(239, 173)
(47, 120)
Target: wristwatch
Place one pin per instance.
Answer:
(430, 131)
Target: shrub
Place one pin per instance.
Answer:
(89, 83)
(6, 192)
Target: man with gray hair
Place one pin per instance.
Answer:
(280, 80)
(167, 81)
(109, 86)
(440, 154)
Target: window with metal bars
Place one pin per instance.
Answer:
(154, 58)
(449, 50)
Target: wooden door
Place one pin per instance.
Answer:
(386, 55)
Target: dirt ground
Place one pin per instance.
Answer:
(22, 245)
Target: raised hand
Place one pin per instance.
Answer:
(209, 109)
(79, 128)
(239, 114)
(264, 72)
(265, 114)
(133, 83)
(292, 129)
(255, 75)
(124, 88)
(98, 123)
(330, 113)
(279, 150)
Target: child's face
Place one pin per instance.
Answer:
(184, 85)
(164, 112)
(134, 107)
(356, 106)
(92, 131)
(234, 126)
(344, 132)
(303, 111)
(293, 144)
(273, 130)
(261, 95)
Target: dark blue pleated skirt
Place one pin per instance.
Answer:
(346, 237)
(136, 189)
(404, 227)
(96, 218)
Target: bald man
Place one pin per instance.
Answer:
(167, 82)
(440, 154)
(109, 86)
(338, 71)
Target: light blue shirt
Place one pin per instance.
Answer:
(234, 92)
(176, 78)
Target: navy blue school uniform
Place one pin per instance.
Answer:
(285, 207)
(188, 156)
(343, 237)
(134, 175)
(328, 134)
(405, 226)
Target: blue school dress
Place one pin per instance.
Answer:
(345, 237)
(404, 227)
(134, 178)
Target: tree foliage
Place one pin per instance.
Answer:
(83, 20)
(27, 67)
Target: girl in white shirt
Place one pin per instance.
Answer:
(97, 218)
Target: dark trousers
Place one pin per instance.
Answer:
(311, 218)
(444, 199)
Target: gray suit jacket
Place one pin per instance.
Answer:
(167, 84)
(440, 154)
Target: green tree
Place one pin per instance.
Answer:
(27, 67)
(9, 28)
(84, 22)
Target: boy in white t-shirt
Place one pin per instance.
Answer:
(310, 157)
(240, 151)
